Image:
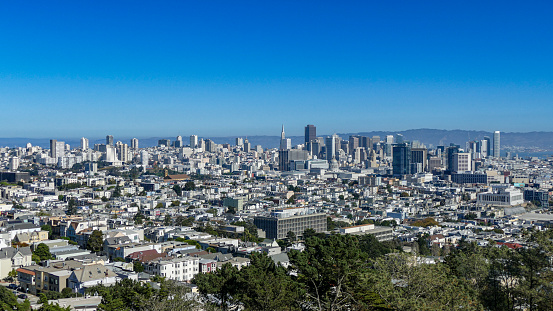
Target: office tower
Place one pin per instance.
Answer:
(247, 145)
(399, 139)
(285, 157)
(353, 143)
(239, 141)
(330, 143)
(450, 151)
(178, 142)
(280, 222)
(285, 144)
(420, 155)
(193, 141)
(57, 148)
(210, 146)
(310, 133)
(109, 140)
(53, 148)
(84, 143)
(134, 143)
(401, 159)
(486, 147)
(496, 145)
(164, 142)
(389, 143)
(462, 162)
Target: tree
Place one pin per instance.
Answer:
(138, 218)
(177, 189)
(291, 236)
(95, 242)
(219, 287)
(404, 285)
(42, 252)
(263, 285)
(167, 220)
(189, 185)
(52, 307)
(329, 270)
(184, 221)
(138, 267)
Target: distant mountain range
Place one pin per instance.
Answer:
(535, 141)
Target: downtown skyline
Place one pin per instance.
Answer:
(222, 69)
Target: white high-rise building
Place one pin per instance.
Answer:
(14, 163)
(84, 143)
(144, 158)
(239, 141)
(496, 144)
(462, 162)
(285, 144)
(123, 152)
(134, 143)
(193, 141)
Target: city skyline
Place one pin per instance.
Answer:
(220, 68)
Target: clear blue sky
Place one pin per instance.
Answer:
(224, 68)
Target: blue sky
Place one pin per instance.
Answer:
(225, 68)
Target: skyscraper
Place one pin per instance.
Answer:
(109, 140)
(193, 141)
(310, 133)
(330, 143)
(134, 143)
(486, 148)
(57, 148)
(401, 159)
(496, 144)
(285, 143)
(84, 143)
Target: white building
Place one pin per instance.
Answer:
(503, 196)
(84, 143)
(179, 269)
(462, 162)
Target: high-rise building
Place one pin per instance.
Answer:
(450, 152)
(239, 141)
(486, 147)
(401, 159)
(84, 143)
(178, 142)
(247, 145)
(134, 143)
(109, 140)
(193, 141)
(123, 152)
(285, 157)
(496, 144)
(280, 222)
(57, 148)
(462, 162)
(285, 144)
(164, 142)
(330, 143)
(420, 155)
(310, 133)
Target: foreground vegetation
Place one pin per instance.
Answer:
(354, 273)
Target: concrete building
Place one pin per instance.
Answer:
(281, 221)
(502, 196)
(496, 144)
(180, 269)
